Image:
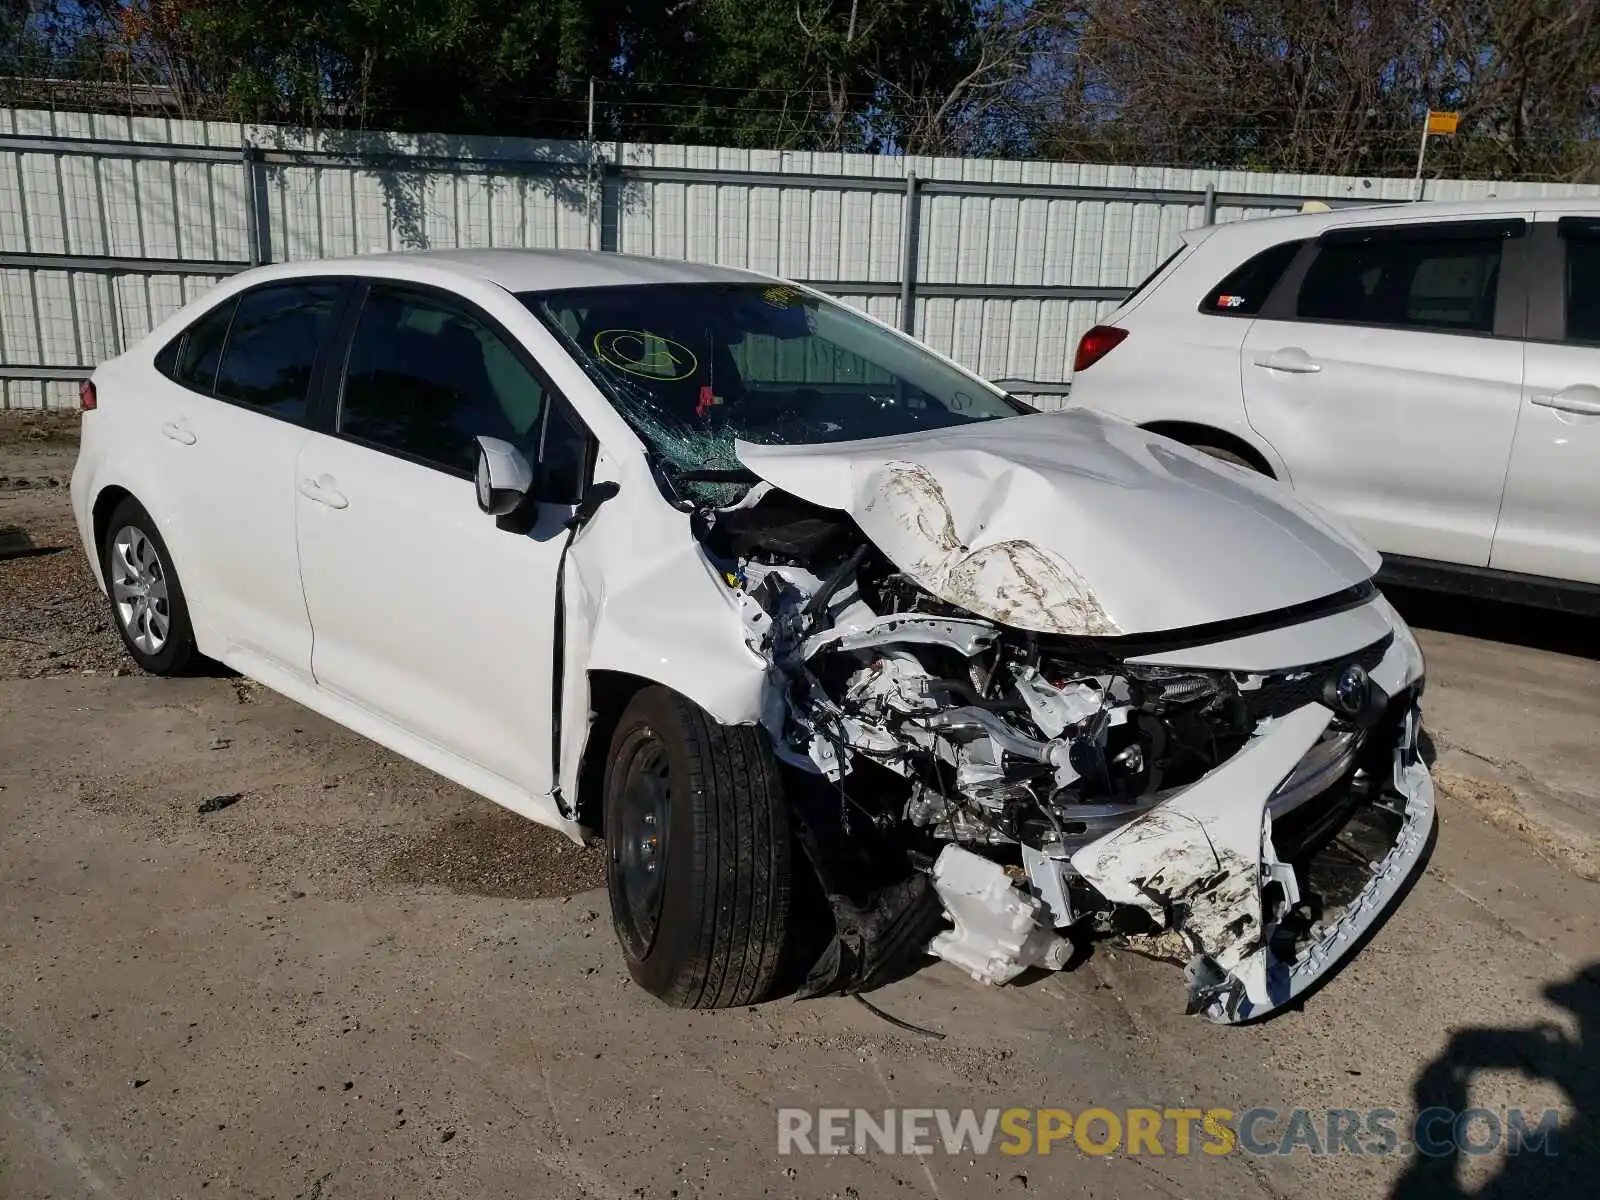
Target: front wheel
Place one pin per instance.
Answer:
(697, 853)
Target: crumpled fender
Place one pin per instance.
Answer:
(641, 598)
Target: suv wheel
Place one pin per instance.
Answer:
(697, 853)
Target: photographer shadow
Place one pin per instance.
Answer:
(1566, 1165)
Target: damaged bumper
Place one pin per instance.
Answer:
(1206, 863)
(1258, 795)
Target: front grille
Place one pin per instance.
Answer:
(1279, 695)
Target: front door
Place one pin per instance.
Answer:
(424, 612)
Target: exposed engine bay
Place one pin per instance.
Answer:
(1035, 789)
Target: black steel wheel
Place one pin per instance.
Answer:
(698, 853)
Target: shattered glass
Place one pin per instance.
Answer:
(695, 367)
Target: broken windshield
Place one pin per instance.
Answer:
(693, 367)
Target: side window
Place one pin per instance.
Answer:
(200, 349)
(1583, 285)
(425, 377)
(1245, 289)
(273, 344)
(1437, 283)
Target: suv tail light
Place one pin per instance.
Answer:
(86, 396)
(1096, 344)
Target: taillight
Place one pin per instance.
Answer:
(1096, 344)
(86, 397)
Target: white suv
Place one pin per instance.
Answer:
(1429, 374)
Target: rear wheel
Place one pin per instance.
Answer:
(147, 603)
(697, 853)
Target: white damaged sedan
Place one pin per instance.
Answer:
(821, 631)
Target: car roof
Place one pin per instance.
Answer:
(531, 270)
(1270, 230)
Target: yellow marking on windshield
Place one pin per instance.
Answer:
(647, 355)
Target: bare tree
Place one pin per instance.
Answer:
(1326, 85)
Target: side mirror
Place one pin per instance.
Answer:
(504, 477)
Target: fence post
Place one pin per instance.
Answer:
(908, 256)
(249, 155)
(594, 176)
(1211, 204)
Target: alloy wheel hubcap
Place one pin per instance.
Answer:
(139, 589)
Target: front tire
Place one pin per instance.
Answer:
(698, 853)
(147, 603)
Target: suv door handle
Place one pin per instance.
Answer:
(323, 492)
(1579, 398)
(1292, 359)
(177, 433)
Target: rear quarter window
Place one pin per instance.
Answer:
(193, 356)
(1244, 290)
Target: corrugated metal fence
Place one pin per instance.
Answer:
(108, 223)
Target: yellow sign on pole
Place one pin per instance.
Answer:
(1443, 124)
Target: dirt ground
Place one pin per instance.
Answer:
(246, 953)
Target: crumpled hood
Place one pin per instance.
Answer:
(1074, 523)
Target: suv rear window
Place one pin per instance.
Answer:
(1245, 289)
(1437, 283)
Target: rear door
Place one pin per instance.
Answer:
(232, 422)
(1386, 369)
(1550, 517)
(426, 613)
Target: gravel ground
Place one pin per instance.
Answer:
(55, 619)
(487, 854)
(243, 949)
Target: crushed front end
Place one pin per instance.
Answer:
(1253, 787)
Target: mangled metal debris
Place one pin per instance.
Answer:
(1047, 754)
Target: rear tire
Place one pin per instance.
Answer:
(698, 853)
(147, 602)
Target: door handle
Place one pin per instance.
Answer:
(1579, 398)
(178, 433)
(1291, 359)
(323, 492)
